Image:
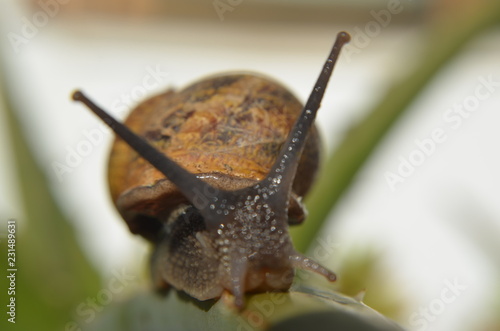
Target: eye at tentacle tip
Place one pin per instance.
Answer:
(300, 261)
(239, 301)
(343, 37)
(77, 95)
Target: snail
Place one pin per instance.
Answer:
(213, 176)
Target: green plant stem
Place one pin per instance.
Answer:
(53, 274)
(361, 141)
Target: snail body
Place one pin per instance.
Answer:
(213, 176)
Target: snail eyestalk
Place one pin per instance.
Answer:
(183, 179)
(282, 173)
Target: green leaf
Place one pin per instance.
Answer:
(301, 306)
(53, 275)
(444, 43)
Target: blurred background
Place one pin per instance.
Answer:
(418, 226)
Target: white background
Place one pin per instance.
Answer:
(441, 224)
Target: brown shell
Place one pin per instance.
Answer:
(228, 129)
